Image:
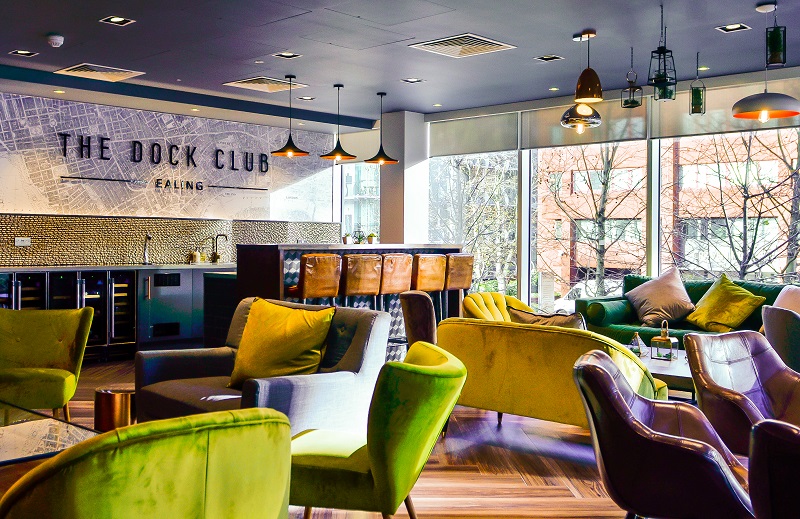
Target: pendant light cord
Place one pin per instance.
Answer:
(290, 107)
(338, 112)
(663, 31)
(697, 68)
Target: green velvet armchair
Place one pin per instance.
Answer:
(412, 400)
(41, 352)
(228, 464)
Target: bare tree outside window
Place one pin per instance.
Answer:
(730, 205)
(473, 200)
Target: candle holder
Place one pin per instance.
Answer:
(664, 347)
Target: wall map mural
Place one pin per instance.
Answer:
(63, 157)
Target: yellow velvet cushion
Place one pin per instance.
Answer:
(278, 340)
(724, 307)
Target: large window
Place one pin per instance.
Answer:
(361, 209)
(473, 200)
(587, 220)
(729, 203)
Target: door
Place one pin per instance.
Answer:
(165, 305)
(94, 292)
(122, 307)
(31, 290)
(64, 291)
(7, 291)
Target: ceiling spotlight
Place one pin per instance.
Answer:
(259, 62)
(287, 55)
(306, 98)
(59, 92)
(437, 105)
(117, 20)
(553, 89)
(733, 27)
(23, 53)
(548, 57)
(703, 68)
(413, 80)
(195, 109)
(586, 35)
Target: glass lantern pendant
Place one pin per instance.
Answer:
(631, 97)
(662, 73)
(776, 39)
(698, 89)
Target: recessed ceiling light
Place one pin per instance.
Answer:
(301, 124)
(703, 68)
(117, 20)
(24, 53)
(59, 92)
(178, 80)
(413, 80)
(259, 61)
(553, 89)
(287, 55)
(306, 98)
(733, 27)
(195, 109)
(548, 57)
(437, 105)
(585, 35)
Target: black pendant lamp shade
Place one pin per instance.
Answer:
(588, 88)
(290, 149)
(767, 105)
(580, 117)
(662, 73)
(381, 157)
(631, 97)
(337, 153)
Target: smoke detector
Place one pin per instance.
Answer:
(55, 40)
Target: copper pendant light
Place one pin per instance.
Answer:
(766, 105)
(337, 153)
(381, 157)
(588, 88)
(290, 149)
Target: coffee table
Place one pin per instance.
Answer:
(676, 373)
(27, 435)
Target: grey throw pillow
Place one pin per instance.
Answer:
(563, 320)
(661, 299)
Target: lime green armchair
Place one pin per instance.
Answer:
(412, 400)
(491, 306)
(526, 369)
(41, 352)
(227, 464)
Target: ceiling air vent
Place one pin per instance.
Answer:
(90, 71)
(269, 85)
(462, 46)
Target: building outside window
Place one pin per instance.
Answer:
(473, 200)
(712, 185)
(361, 209)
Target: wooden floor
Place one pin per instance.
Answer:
(525, 468)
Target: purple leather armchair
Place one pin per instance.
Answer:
(740, 381)
(656, 458)
(774, 458)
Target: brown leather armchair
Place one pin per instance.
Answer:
(419, 316)
(741, 380)
(774, 458)
(782, 328)
(656, 458)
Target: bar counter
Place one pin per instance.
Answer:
(264, 271)
(132, 266)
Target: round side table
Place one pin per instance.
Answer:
(114, 406)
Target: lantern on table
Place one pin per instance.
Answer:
(664, 347)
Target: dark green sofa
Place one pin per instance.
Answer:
(615, 317)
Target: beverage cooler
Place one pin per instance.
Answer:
(110, 293)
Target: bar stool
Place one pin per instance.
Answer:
(458, 274)
(427, 274)
(319, 277)
(361, 276)
(395, 275)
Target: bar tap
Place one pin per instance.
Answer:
(215, 255)
(146, 251)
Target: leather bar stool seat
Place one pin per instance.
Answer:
(458, 274)
(395, 274)
(361, 276)
(428, 275)
(319, 278)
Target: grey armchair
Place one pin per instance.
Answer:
(184, 382)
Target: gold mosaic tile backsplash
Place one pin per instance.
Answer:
(89, 240)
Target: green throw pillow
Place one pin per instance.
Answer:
(278, 340)
(724, 307)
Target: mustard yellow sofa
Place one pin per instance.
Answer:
(491, 306)
(526, 369)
